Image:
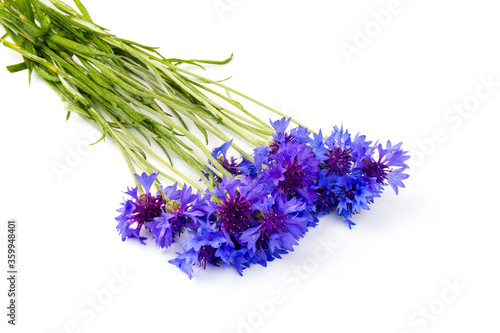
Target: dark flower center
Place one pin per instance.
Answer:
(271, 224)
(235, 214)
(147, 208)
(274, 146)
(294, 179)
(339, 161)
(207, 256)
(375, 170)
(179, 223)
(230, 165)
(325, 202)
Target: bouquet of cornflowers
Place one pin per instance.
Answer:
(253, 208)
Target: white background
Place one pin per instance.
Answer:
(397, 263)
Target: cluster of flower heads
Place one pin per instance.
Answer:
(262, 211)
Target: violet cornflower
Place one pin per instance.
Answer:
(182, 211)
(279, 228)
(233, 205)
(140, 209)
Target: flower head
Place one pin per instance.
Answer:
(337, 159)
(184, 210)
(384, 165)
(233, 205)
(140, 209)
(235, 166)
(292, 171)
(232, 257)
(199, 249)
(278, 229)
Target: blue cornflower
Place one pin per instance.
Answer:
(182, 211)
(260, 157)
(280, 127)
(262, 153)
(338, 159)
(352, 175)
(235, 166)
(299, 133)
(292, 171)
(360, 147)
(200, 249)
(338, 162)
(346, 195)
(317, 143)
(230, 256)
(185, 261)
(280, 137)
(279, 228)
(353, 195)
(233, 205)
(388, 167)
(140, 209)
(339, 138)
(326, 201)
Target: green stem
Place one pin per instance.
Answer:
(203, 79)
(152, 153)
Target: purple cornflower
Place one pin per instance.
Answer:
(388, 167)
(182, 211)
(262, 153)
(280, 127)
(353, 195)
(338, 159)
(199, 249)
(299, 133)
(233, 205)
(279, 228)
(280, 137)
(140, 209)
(346, 195)
(326, 201)
(338, 162)
(235, 166)
(230, 256)
(350, 176)
(292, 171)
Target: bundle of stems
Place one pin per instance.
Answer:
(130, 92)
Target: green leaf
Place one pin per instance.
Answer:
(197, 61)
(64, 7)
(82, 9)
(100, 139)
(46, 75)
(17, 67)
(30, 56)
(204, 132)
(143, 135)
(89, 26)
(77, 48)
(28, 9)
(162, 147)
